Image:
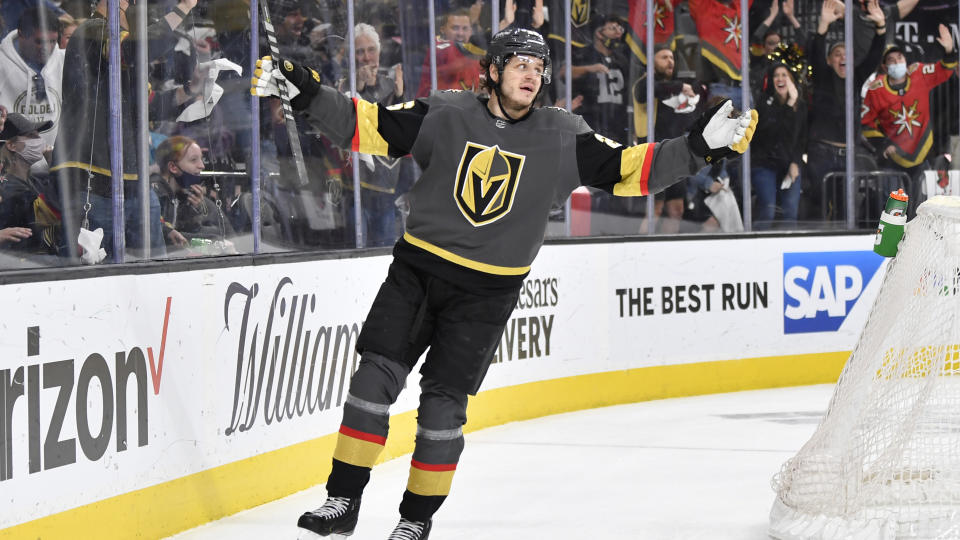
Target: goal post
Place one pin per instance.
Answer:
(884, 463)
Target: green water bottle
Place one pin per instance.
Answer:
(202, 246)
(892, 221)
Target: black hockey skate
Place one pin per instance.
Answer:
(338, 515)
(411, 530)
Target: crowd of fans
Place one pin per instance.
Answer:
(55, 111)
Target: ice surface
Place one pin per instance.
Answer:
(685, 469)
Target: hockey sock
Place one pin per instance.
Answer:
(441, 416)
(363, 431)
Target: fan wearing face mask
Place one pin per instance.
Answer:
(896, 114)
(28, 221)
(186, 209)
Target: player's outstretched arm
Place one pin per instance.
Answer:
(649, 168)
(634, 171)
(720, 133)
(353, 124)
(652, 167)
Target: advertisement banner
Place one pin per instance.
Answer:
(114, 384)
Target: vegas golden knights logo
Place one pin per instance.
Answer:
(579, 12)
(486, 183)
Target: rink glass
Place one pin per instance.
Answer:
(256, 202)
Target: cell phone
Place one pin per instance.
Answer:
(188, 180)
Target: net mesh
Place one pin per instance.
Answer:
(885, 461)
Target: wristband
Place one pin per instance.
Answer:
(881, 27)
(178, 11)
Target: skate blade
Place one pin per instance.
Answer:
(310, 535)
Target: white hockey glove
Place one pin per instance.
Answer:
(301, 83)
(719, 133)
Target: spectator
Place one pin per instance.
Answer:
(12, 10)
(826, 147)
(679, 103)
(188, 213)
(760, 62)
(896, 110)
(178, 85)
(719, 26)
(28, 222)
(769, 36)
(82, 150)
(864, 27)
(457, 67)
(528, 15)
(599, 75)
(720, 29)
(456, 27)
(378, 174)
(479, 28)
(68, 25)
(770, 26)
(778, 149)
(32, 67)
(311, 213)
(391, 46)
(290, 29)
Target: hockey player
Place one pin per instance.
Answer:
(492, 169)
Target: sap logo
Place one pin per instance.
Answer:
(819, 289)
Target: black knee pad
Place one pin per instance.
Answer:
(378, 379)
(441, 406)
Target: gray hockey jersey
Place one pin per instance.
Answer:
(488, 185)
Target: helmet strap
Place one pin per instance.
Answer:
(496, 90)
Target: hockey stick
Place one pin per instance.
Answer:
(292, 133)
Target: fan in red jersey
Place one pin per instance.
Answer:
(896, 110)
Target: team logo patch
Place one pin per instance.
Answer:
(580, 12)
(486, 182)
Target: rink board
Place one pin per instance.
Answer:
(152, 403)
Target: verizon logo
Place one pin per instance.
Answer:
(27, 392)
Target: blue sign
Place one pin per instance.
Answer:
(820, 288)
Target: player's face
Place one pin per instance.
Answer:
(192, 160)
(522, 77)
(838, 61)
(457, 29)
(663, 63)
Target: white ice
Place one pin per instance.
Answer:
(684, 469)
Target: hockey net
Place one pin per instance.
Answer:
(884, 463)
